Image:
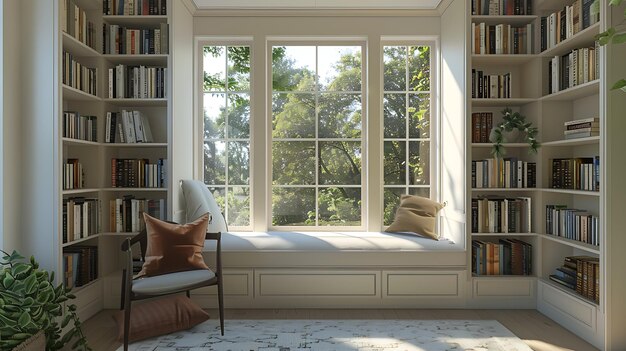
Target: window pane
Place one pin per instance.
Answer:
(220, 199)
(394, 111)
(293, 162)
(394, 58)
(239, 163)
(339, 68)
(340, 206)
(293, 116)
(214, 106)
(340, 162)
(419, 163)
(293, 206)
(238, 116)
(239, 206)
(419, 116)
(419, 68)
(238, 68)
(395, 162)
(214, 68)
(340, 115)
(214, 163)
(293, 68)
(423, 192)
(392, 201)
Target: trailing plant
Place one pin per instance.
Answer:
(611, 35)
(29, 302)
(512, 121)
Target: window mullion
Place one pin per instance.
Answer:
(317, 142)
(406, 122)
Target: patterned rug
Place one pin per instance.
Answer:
(323, 335)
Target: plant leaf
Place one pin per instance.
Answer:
(24, 320)
(615, 2)
(30, 284)
(619, 38)
(621, 84)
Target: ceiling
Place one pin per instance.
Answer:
(317, 4)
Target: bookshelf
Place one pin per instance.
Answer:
(95, 155)
(530, 95)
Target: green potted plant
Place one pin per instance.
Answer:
(31, 306)
(512, 121)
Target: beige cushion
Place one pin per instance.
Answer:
(417, 215)
(167, 283)
(159, 317)
(198, 201)
(174, 247)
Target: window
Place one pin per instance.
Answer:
(317, 145)
(226, 137)
(406, 121)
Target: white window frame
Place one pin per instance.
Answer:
(200, 43)
(435, 121)
(317, 41)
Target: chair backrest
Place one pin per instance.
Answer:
(198, 201)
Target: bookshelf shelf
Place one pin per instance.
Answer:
(512, 20)
(135, 189)
(137, 102)
(78, 290)
(504, 234)
(501, 102)
(571, 192)
(80, 191)
(70, 141)
(119, 234)
(573, 142)
(144, 59)
(501, 59)
(490, 277)
(135, 145)
(135, 20)
(81, 240)
(77, 48)
(480, 145)
(567, 291)
(504, 189)
(70, 93)
(574, 93)
(573, 243)
(582, 38)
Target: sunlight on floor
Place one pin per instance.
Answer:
(538, 345)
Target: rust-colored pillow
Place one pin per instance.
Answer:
(174, 247)
(416, 214)
(160, 317)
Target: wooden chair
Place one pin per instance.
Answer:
(172, 283)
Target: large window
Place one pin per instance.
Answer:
(317, 136)
(406, 121)
(226, 137)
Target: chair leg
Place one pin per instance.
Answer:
(123, 289)
(127, 324)
(188, 294)
(220, 300)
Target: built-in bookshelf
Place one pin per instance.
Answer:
(99, 128)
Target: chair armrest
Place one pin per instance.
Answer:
(218, 251)
(142, 236)
(213, 236)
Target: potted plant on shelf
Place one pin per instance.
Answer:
(33, 312)
(512, 122)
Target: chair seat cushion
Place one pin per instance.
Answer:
(168, 283)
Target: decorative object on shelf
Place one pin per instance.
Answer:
(612, 36)
(29, 303)
(513, 121)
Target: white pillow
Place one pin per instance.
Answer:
(198, 201)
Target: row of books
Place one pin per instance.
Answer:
(78, 76)
(126, 214)
(77, 126)
(501, 7)
(134, 7)
(581, 274)
(501, 39)
(577, 67)
(73, 174)
(582, 128)
(503, 173)
(75, 23)
(138, 173)
(137, 82)
(567, 22)
(490, 86)
(121, 40)
(572, 224)
(501, 215)
(80, 218)
(80, 265)
(508, 256)
(582, 173)
(127, 127)
(482, 123)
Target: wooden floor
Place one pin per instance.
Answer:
(538, 331)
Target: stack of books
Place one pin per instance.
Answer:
(80, 218)
(581, 173)
(581, 274)
(126, 213)
(490, 86)
(127, 127)
(565, 23)
(507, 172)
(582, 128)
(137, 173)
(82, 267)
(572, 224)
(501, 215)
(501, 7)
(507, 257)
(73, 175)
(76, 126)
(577, 67)
(501, 39)
(482, 123)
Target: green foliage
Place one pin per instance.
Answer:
(512, 121)
(29, 302)
(614, 37)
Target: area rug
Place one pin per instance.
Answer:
(339, 335)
